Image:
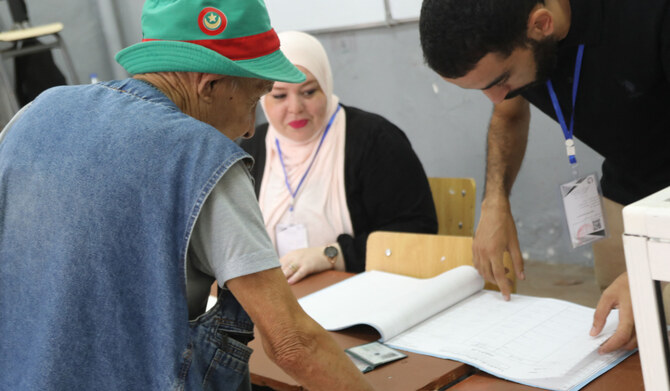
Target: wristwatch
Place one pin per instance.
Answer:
(331, 254)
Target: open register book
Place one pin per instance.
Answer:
(534, 341)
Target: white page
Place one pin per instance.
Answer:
(535, 341)
(390, 303)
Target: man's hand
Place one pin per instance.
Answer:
(617, 295)
(496, 233)
(291, 339)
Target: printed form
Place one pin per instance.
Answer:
(536, 341)
(528, 340)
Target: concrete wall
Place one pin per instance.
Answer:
(82, 33)
(381, 70)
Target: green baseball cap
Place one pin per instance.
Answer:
(226, 37)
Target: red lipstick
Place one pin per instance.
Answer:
(298, 124)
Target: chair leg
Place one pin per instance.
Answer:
(68, 60)
(10, 103)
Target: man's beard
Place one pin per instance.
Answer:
(545, 54)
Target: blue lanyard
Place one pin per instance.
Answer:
(567, 131)
(281, 159)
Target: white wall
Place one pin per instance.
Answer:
(381, 70)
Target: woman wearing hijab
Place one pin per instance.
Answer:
(327, 175)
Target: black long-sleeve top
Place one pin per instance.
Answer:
(385, 184)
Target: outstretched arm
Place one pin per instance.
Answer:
(294, 341)
(496, 231)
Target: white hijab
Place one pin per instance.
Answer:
(320, 204)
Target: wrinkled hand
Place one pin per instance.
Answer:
(496, 233)
(299, 264)
(617, 295)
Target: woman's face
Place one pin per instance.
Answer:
(298, 111)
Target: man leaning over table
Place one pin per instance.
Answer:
(601, 69)
(122, 201)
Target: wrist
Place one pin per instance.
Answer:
(495, 201)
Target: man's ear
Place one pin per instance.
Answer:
(206, 84)
(540, 24)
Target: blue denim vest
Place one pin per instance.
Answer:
(100, 186)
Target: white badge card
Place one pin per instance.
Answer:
(583, 210)
(290, 237)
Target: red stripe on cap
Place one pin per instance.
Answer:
(242, 48)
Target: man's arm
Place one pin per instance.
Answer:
(496, 231)
(291, 339)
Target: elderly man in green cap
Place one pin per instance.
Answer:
(123, 201)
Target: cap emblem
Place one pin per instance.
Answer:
(212, 21)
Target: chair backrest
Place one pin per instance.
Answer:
(422, 255)
(18, 10)
(454, 200)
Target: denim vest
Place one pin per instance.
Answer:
(100, 186)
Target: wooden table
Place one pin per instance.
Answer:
(417, 371)
(627, 376)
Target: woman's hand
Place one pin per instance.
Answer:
(299, 264)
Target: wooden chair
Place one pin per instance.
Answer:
(454, 200)
(422, 255)
(22, 31)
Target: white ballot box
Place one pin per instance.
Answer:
(646, 242)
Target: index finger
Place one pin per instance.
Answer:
(605, 305)
(503, 282)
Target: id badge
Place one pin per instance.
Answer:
(583, 210)
(290, 237)
(369, 356)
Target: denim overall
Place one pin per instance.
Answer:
(100, 186)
